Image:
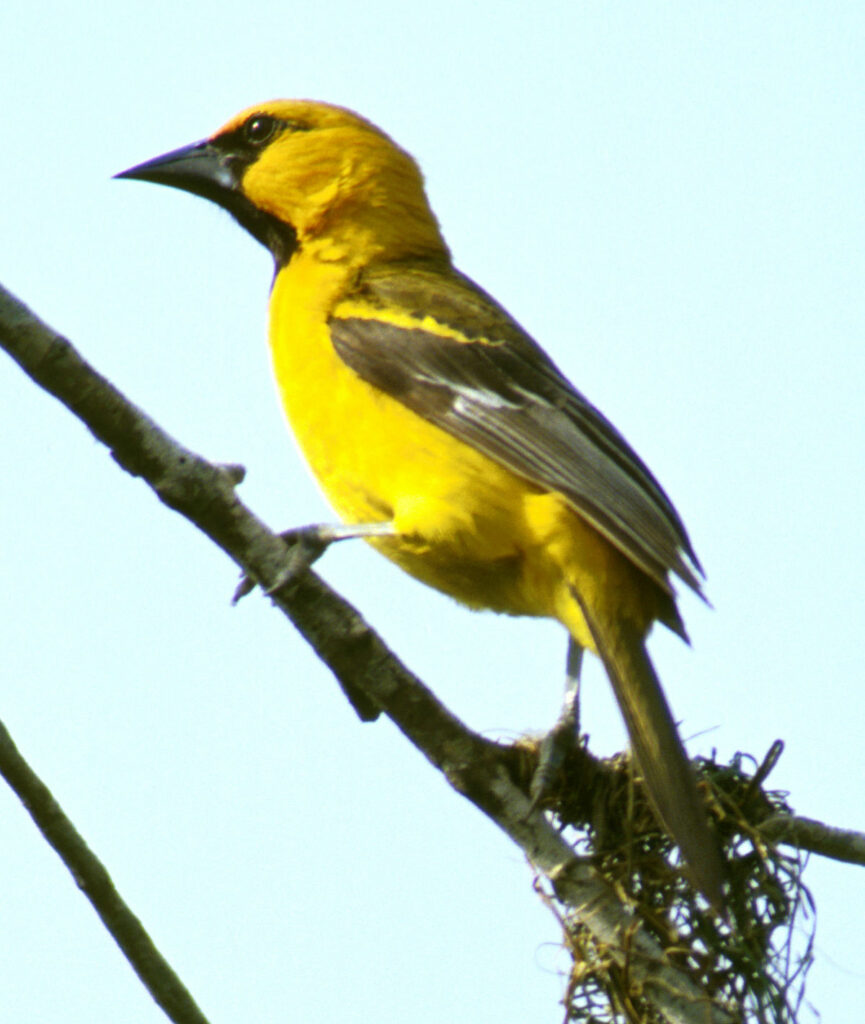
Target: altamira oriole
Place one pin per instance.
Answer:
(434, 421)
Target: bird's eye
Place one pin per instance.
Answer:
(259, 129)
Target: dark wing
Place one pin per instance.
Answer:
(494, 388)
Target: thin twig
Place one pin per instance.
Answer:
(95, 882)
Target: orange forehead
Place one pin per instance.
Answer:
(311, 113)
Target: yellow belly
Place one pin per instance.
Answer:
(466, 525)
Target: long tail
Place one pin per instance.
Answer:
(669, 777)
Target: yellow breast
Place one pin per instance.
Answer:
(458, 513)
(466, 525)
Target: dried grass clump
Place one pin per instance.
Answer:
(749, 963)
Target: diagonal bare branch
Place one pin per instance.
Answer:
(94, 881)
(372, 676)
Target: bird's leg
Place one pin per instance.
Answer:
(563, 736)
(306, 544)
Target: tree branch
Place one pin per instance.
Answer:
(808, 834)
(94, 881)
(371, 675)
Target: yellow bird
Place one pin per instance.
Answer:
(437, 427)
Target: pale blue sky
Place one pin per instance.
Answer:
(672, 202)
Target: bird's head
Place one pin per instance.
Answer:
(299, 174)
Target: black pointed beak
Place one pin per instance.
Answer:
(215, 172)
(200, 168)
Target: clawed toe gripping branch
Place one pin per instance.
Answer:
(305, 545)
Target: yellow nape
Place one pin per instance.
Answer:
(343, 185)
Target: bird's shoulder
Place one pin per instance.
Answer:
(433, 292)
(430, 337)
